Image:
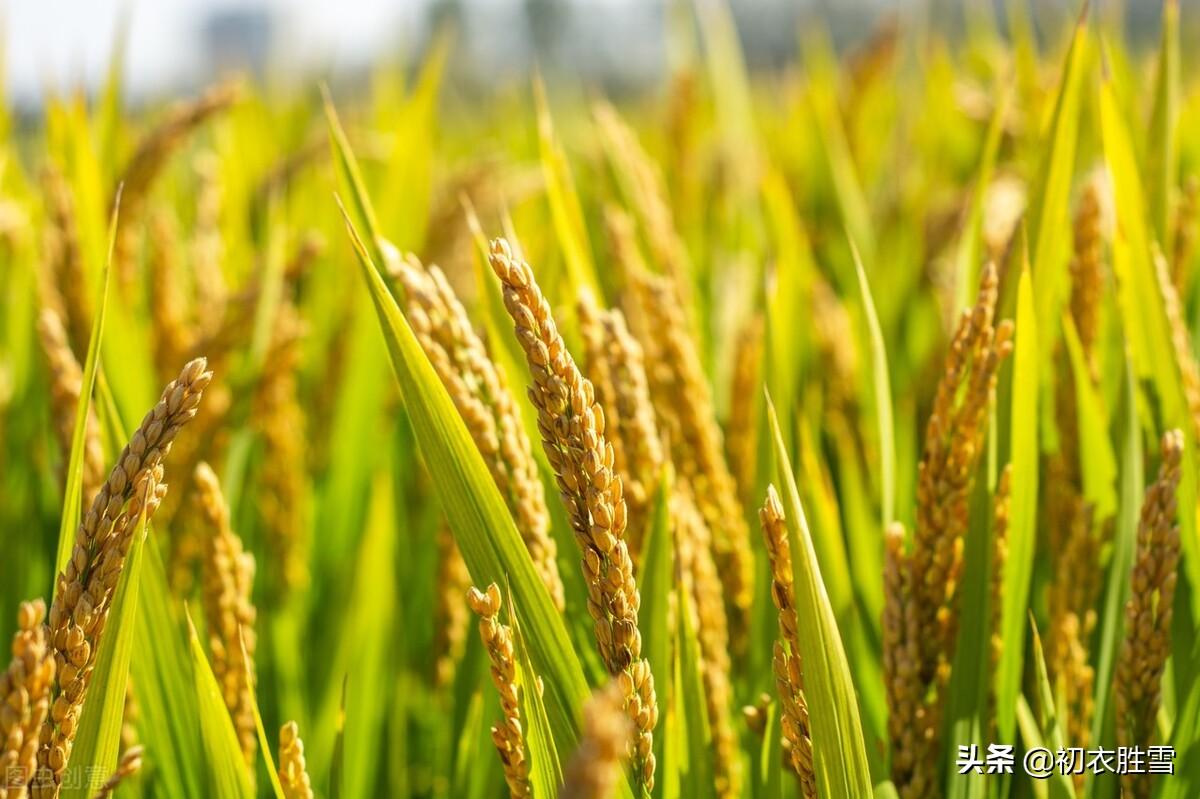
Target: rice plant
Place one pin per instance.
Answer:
(824, 431)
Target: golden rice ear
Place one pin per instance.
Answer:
(571, 422)
(922, 605)
(595, 768)
(26, 693)
(701, 589)
(1137, 688)
(66, 380)
(229, 613)
(687, 419)
(130, 764)
(481, 394)
(507, 735)
(293, 771)
(86, 585)
(614, 364)
(787, 665)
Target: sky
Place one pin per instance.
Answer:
(57, 43)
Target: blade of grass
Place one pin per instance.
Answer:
(545, 770)
(1060, 785)
(1124, 543)
(839, 754)
(1022, 532)
(351, 176)
(1050, 213)
(482, 526)
(565, 209)
(1097, 462)
(1162, 154)
(1144, 317)
(264, 743)
(1031, 735)
(654, 618)
(162, 672)
(697, 778)
(883, 396)
(226, 767)
(73, 493)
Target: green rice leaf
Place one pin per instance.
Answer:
(350, 176)
(1097, 461)
(691, 707)
(264, 743)
(482, 526)
(1060, 785)
(337, 767)
(883, 396)
(969, 245)
(1031, 735)
(655, 581)
(1124, 545)
(1144, 317)
(228, 776)
(364, 651)
(768, 765)
(1162, 150)
(545, 770)
(1022, 531)
(73, 493)
(162, 672)
(565, 209)
(839, 754)
(1186, 740)
(1050, 212)
(970, 688)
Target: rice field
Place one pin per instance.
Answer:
(823, 431)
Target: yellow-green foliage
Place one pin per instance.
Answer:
(713, 387)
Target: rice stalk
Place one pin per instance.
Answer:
(788, 668)
(1185, 236)
(25, 691)
(699, 577)
(595, 768)
(481, 395)
(449, 616)
(228, 611)
(65, 283)
(86, 585)
(279, 420)
(572, 425)
(1001, 502)
(293, 771)
(207, 249)
(507, 736)
(148, 160)
(1181, 341)
(66, 381)
(921, 585)
(683, 401)
(129, 764)
(741, 440)
(614, 363)
(169, 320)
(1137, 689)
(1087, 273)
(647, 193)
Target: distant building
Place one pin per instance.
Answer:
(238, 40)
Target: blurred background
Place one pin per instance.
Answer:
(176, 45)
